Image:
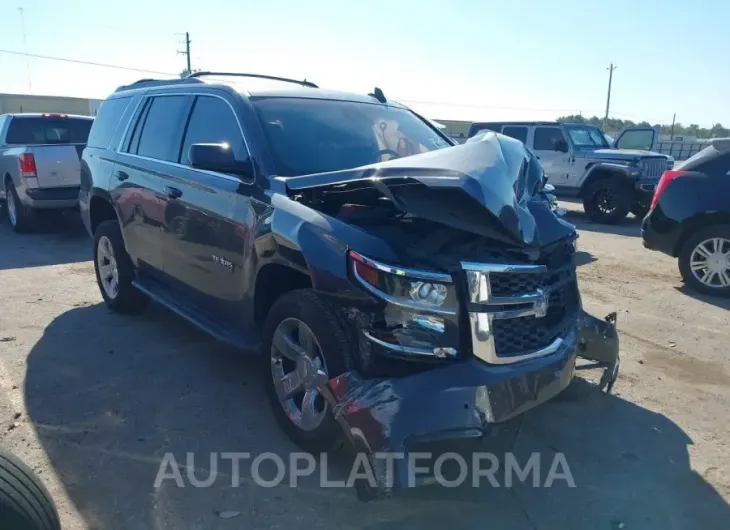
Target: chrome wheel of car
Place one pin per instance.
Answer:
(297, 368)
(710, 262)
(10, 205)
(106, 264)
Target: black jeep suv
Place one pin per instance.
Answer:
(400, 289)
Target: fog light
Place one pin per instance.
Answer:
(427, 293)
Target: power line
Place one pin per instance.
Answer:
(90, 63)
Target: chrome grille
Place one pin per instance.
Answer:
(653, 167)
(518, 311)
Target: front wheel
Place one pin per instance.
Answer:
(607, 201)
(305, 345)
(704, 260)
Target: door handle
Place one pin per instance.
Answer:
(121, 175)
(173, 193)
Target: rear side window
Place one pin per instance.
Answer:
(106, 122)
(161, 128)
(211, 122)
(518, 133)
(43, 130)
(545, 138)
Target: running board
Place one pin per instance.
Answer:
(166, 297)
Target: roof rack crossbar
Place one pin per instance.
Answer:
(258, 76)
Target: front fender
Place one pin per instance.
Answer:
(610, 169)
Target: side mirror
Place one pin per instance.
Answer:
(220, 158)
(561, 145)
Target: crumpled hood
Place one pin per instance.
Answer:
(490, 187)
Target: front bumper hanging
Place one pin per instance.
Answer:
(461, 401)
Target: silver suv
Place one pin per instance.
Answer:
(612, 180)
(40, 163)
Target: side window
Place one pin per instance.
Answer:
(638, 139)
(518, 133)
(161, 127)
(106, 122)
(545, 138)
(212, 122)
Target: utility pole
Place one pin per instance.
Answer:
(608, 97)
(186, 53)
(25, 49)
(674, 117)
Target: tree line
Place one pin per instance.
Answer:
(616, 125)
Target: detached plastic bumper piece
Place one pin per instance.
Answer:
(463, 401)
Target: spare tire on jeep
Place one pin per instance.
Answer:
(607, 200)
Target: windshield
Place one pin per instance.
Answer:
(315, 136)
(584, 136)
(48, 130)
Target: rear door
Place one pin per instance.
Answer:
(56, 142)
(147, 155)
(204, 247)
(557, 164)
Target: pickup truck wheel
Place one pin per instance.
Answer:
(305, 344)
(607, 201)
(115, 271)
(704, 260)
(20, 217)
(24, 502)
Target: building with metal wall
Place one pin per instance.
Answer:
(10, 103)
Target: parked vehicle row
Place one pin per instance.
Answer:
(350, 244)
(612, 180)
(40, 164)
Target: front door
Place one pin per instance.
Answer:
(557, 164)
(206, 241)
(643, 138)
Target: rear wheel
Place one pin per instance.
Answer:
(607, 201)
(24, 502)
(115, 270)
(306, 345)
(704, 260)
(20, 217)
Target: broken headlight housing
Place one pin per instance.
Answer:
(419, 317)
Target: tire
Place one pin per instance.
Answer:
(24, 501)
(23, 219)
(126, 298)
(619, 194)
(335, 347)
(639, 210)
(707, 233)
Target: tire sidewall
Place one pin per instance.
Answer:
(685, 255)
(21, 221)
(304, 305)
(624, 196)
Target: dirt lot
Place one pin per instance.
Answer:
(103, 397)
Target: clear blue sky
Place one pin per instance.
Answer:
(529, 59)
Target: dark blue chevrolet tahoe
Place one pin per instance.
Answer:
(402, 290)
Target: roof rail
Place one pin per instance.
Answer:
(146, 83)
(258, 76)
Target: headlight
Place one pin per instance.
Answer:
(430, 291)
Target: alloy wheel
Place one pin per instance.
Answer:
(106, 264)
(297, 369)
(710, 262)
(606, 201)
(11, 206)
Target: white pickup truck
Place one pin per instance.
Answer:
(40, 163)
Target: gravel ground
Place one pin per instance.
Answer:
(102, 398)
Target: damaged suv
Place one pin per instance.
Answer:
(401, 289)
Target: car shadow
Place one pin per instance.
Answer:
(630, 227)
(723, 303)
(112, 396)
(57, 238)
(583, 258)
